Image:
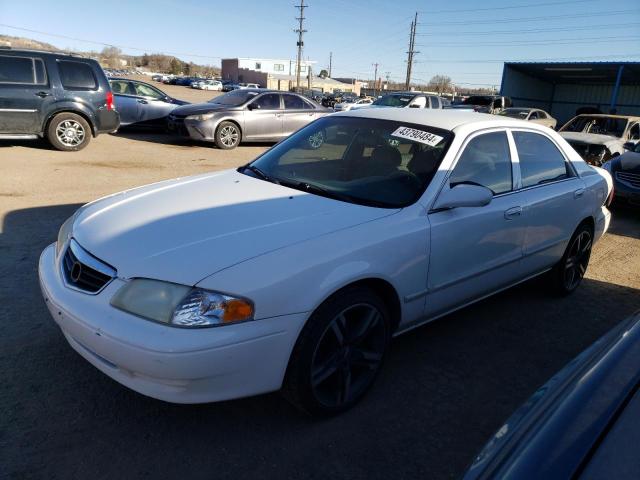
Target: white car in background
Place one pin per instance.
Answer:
(214, 85)
(294, 271)
(348, 105)
(534, 115)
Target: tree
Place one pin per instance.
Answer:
(440, 83)
(323, 74)
(175, 66)
(111, 56)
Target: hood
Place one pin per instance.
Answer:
(200, 108)
(627, 162)
(187, 229)
(613, 143)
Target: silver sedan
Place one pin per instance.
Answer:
(248, 115)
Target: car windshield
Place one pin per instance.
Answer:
(515, 112)
(611, 126)
(234, 98)
(394, 100)
(378, 163)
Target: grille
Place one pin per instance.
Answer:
(632, 179)
(84, 272)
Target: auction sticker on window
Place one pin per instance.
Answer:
(417, 136)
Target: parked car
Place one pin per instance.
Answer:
(63, 98)
(195, 81)
(246, 115)
(349, 102)
(295, 270)
(530, 114)
(141, 104)
(484, 103)
(209, 85)
(404, 100)
(244, 86)
(582, 424)
(228, 86)
(597, 138)
(625, 170)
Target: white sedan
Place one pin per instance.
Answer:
(348, 105)
(214, 85)
(294, 271)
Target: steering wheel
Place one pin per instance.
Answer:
(406, 178)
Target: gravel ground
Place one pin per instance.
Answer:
(445, 388)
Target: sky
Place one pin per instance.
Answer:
(467, 40)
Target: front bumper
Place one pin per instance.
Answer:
(172, 364)
(197, 130)
(625, 192)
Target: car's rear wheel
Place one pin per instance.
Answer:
(568, 273)
(68, 132)
(228, 135)
(339, 353)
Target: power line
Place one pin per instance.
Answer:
(509, 7)
(300, 31)
(492, 21)
(525, 60)
(521, 32)
(562, 41)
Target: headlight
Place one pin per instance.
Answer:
(201, 118)
(179, 305)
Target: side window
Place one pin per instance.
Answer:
(541, 114)
(485, 161)
(121, 87)
(143, 90)
(540, 160)
(634, 132)
(270, 101)
(533, 115)
(77, 76)
(291, 102)
(419, 102)
(22, 70)
(435, 102)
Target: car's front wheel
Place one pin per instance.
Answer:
(567, 275)
(339, 353)
(228, 135)
(68, 132)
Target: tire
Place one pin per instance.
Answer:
(339, 353)
(228, 136)
(68, 132)
(568, 273)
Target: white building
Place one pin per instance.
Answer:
(231, 67)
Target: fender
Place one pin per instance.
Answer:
(73, 107)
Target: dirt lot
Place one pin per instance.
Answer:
(445, 388)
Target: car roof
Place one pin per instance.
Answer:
(441, 118)
(31, 51)
(607, 115)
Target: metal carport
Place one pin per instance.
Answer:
(562, 88)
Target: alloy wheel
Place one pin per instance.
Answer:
(348, 355)
(229, 136)
(70, 133)
(577, 260)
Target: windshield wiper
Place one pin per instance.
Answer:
(323, 192)
(259, 173)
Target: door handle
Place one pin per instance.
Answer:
(142, 101)
(278, 114)
(42, 94)
(513, 213)
(578, 193)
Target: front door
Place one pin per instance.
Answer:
(263, 118)
(297, 113)
(477, 250)
(154, 105)
(25, 94)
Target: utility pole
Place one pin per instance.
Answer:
(375, 80)
(330, 61)
(387, 76)
(411, 52)
(300, 31)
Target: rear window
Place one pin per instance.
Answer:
(23, 70)
(77, 76)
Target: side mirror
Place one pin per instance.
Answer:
(629, 146)
(252, 106)
(463, 195)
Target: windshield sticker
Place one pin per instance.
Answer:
(418, 136)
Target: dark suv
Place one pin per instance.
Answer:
(63, 98)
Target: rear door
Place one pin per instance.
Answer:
(25, 94)
(126, 102)
(554, 197)
(263, 118)
(297, 113)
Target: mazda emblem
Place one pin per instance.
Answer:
(76, 271)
